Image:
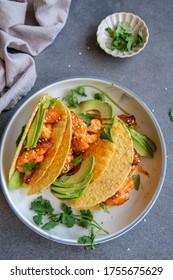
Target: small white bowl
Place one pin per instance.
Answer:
(111, 21)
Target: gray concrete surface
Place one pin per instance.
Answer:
(150, 76)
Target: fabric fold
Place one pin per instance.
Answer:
(19, 42)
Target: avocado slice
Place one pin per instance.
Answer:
(75, 193)
(66, 197)
(16, 180)
(76, 184)
(74, 187)
(142, 144)
(97, 108)
(85, 169)
(36, 126)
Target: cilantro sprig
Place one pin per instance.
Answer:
(29, 167)
(89, 239)
(136, 180)
(71, 99)
(122, 37)
(77, 160)
(84, 219)
(106, 134)
(86, 117)
(99, 96)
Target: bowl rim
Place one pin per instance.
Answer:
(145, 211)
(115, 53)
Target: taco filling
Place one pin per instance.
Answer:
(39, 143)
(83, 136)
(31, 158)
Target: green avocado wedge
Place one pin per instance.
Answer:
(37, 125)
(98, 109)
(85, 169)
(71, 195)
(74, 187)
(142, 144)
(76, 184)
(16, 180)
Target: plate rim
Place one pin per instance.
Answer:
(145, 211)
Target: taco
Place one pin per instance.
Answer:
(39, 144)
(113, 155)
(114, 175)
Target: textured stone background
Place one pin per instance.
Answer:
(149, 75)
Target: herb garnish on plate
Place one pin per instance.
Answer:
(84, 219)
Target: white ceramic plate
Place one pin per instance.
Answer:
(121, 218)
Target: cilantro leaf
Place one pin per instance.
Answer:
(104, 207)
(41, 206)
(136, 179)
(49, 102)
(99, 96)
(110, 31)
(110, 46)
(50, 225)
(88, 239)
(52, 101)
(29, 167)
(81, 91)
(38, 219)
(106, 134)
(68, 220)
(87, 213)
(83, 223)
(84, 239)
(123, 39)
(77, 160)
(71, 99)
(66, 209)
(86, 117)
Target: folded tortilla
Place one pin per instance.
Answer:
(59, 132)
(59, 160)
(115, 173)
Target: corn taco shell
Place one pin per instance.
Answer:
(20, 145)
(59, 129)
(56, 139)
(115, 173)
(54, 169)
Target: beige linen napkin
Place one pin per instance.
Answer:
(26, 29)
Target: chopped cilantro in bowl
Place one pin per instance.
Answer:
(123, 38)
(122, 35)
